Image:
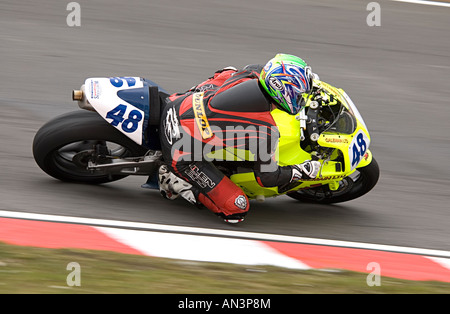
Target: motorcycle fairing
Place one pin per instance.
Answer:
(354, 147)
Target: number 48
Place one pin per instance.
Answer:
(130, 124)
(359, 149)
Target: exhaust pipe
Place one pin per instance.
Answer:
(83, 103)
(77, 94)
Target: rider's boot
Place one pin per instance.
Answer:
(171, 186)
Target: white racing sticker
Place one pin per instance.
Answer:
(358, 148)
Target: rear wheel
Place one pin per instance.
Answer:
(63, 147)
(356, 185)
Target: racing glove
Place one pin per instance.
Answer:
(307, 170)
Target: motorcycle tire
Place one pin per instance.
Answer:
(58, 141)
(352, 187)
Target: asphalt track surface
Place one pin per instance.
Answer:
(397, 74)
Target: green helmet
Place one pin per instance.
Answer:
(286, 78)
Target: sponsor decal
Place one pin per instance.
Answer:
(200, 115)
(95, 90)
(199, 177)
(328, 178)
(275, 83)
(241, 202)
(171, 126)
(205, 87)
(336, 140)
(366, 156)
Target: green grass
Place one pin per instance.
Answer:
(37, 270)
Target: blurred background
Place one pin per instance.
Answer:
(396, 73)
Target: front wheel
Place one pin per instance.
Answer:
(63, 146)
(356, 185)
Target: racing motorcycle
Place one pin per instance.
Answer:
(117, 135)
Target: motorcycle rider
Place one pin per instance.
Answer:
(231, 110)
